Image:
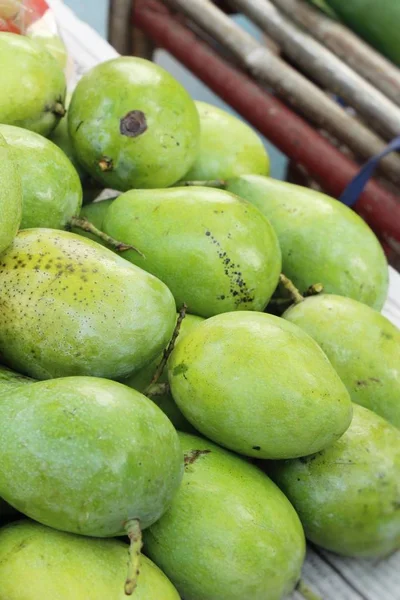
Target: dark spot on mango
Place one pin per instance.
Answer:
(180, 369)
(193, 455)
(133, 124)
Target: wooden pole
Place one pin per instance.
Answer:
(289, 132)
(298, 91)
(371, 65)
(324, 67)
(120, 25)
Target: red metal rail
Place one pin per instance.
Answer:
(289, 132)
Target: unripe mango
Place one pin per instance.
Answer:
(258, 385)
(10, 196)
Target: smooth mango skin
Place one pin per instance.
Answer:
(86, 311)
(230, 534)
(258, 385)
(95, 454)
(10, 196)
(348, 495)
(33, 84)
(9, 380)
(141, 380)
(362, 345)
(51, 189)
(228, 147)
(214, 251)
(132, 114)
(322, 240)
(39, 563)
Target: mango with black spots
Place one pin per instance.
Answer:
(215, 251)
(72, 307)
(132, 125)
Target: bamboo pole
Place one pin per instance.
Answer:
(324, 67)
(119, 25)
(371, 65)
(289, 132)
(298, 91)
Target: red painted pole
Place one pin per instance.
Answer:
(289, 132)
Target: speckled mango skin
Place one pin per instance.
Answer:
(154, 158)
(44, 564)
(362, 345)
(10, 196)
(216, 252)
(32, 82)
(72, 307)
(230, 534)
(322, 240)
(140, 380)
(228, 147)
(258, 385)
(85, 455)
(348, 495)
(51, 189)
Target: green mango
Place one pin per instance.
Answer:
(33, 85)
(39, 563)
(9, 380)
(86, 455)
(215, 252)
(132, 125)
(51, 189)
(60, 136)
(258, 385)
(52, 44)
(85, 310)
(142, 379)
(322, 240)
(230, 534)
(10, 196)
(362, 345)
(228, 147)
(347, 496)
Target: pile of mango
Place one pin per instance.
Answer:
(195, 376)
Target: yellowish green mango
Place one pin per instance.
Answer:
(72, 307)
(39, 563)
(52, 44)
(142, 379)
(258, 385)
(132, 125)
(51, 189)
(87, 455)
(348, 495)
(230, 534)
(215, 251)
(322, 240)
(33, 85)
(10, 196)
(362, 345)
(9, 380)
(228, 147)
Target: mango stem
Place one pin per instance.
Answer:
(291, 288)
(132, 528)
(306, 591)
(59, 109)
(149, 391)
(85, 225)
(215, 183)
(314, 290)
(157, 389)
